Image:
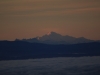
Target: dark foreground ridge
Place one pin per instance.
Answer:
(12, 50)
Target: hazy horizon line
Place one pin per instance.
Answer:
(46, 34)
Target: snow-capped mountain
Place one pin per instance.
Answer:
(55, 38)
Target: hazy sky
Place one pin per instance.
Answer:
(31, 18)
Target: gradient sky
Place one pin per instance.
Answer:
(31, 18)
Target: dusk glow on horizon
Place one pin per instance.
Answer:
(31, 18)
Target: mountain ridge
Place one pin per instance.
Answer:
(56, 38)
(11, 50)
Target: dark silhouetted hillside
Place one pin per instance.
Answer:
(26, 50)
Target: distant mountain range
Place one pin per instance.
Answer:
(49, 45)
(55, 38)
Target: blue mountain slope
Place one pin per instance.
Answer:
(55, 38)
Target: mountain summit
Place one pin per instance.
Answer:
(51, 36)
(50, 33)
(56, 38)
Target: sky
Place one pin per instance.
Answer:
(30, 18)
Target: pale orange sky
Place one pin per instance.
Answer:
(31, 18)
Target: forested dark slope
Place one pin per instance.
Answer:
(25, 50)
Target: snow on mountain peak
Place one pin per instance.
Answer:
(48, 33)
(52, 33)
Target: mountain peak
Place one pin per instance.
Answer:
(56, 38)
(52, 34)
(49, 33)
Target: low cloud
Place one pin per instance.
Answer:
(52, 66)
